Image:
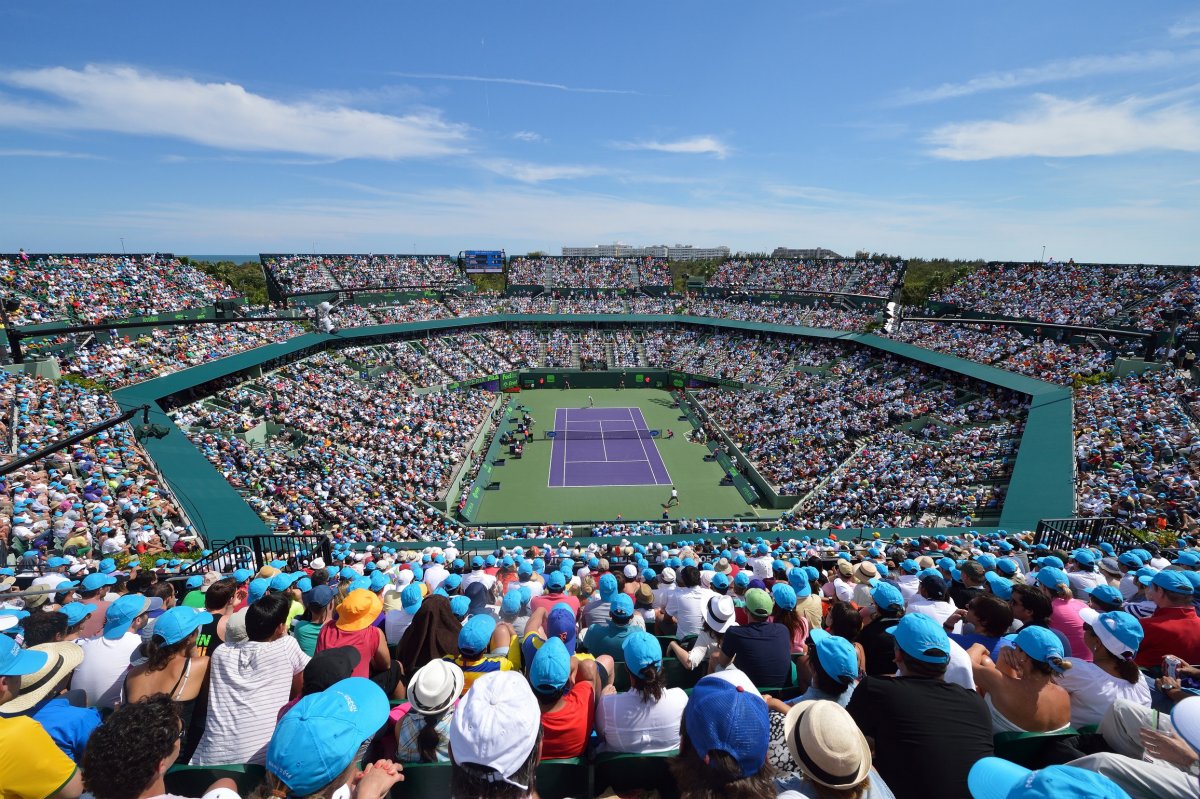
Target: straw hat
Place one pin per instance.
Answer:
(827, 745)
(63, 658)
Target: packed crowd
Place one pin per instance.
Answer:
(303, 273)
(1070, 293)
(754, 668)
(102, 494)
(351, 456)
(874, 278)
(90, 289)
(804, 432)
(589, 273)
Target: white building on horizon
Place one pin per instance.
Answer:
(679, 252)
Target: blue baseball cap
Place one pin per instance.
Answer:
(319, 737)
(361, 584)
(511, 604)
(459, 605)
(476, 634)
(56, 562)
(1084, 557)
(258, 587)
(995, 778)
(283, 581)
(723, 717)
(621, 607)
(179, 622)
(887, 596)
(1107, 595)
(1187, 558)
(1040, 644)
(77, 612)
(1007, 567)
(303, 585)
(242, 575)
(556, 581)
(195, 581)
(107, 566)
(784, 596)
(96, 581)
(121, 614)
(1169, 581)
(1053, 577)
(411, 598)
(452, 582)
(642, 651)
(910, 566)
(1050, 561)
(1002, 587)
(607, 587)
(838, 656)
(476, 562)
(1131, 560)
(720, 583)
(321, 595)
(922, 638)
(379, 581)
(551, 667)
(15, 661)
(987, 561)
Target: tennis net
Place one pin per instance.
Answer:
(595, 435)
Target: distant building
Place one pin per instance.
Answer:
(680, 252)
(818, 252)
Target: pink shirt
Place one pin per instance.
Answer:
(366, 641)
(1064, 617)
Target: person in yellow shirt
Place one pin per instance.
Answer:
(474, 643)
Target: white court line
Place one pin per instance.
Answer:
(647, 454)
(635, 460)
(603, 446)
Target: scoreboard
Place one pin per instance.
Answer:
(483, 260)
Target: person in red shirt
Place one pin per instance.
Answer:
(556, 584)
(1173, 628)
(567, 690)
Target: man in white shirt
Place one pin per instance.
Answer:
(435, 574)
(686, 605)
(666, 587)
(477, 575)
(762, 562)
(106, 656)
(907, 582)
(249, 682)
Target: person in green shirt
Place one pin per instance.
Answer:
(317, 610)
(607, 639)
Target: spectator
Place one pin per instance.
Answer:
(432, 635)
(314, 750)
(495, 740)
(762, 647)
(993, 778)
(128, 756)
(318, 611)
(1019, 689)
(106, 656)
(830, 755)
(1173, 629)
(919, 712)
(718, 617)
(220, 600)
(1031, 607)
(1112, 674)
(397, 619)
(609, 638)
(832, 664)
(423, 734)
(474, 644)
(932, 599)
(1064, 609)
(354, 628)
(567, 691)
(37, 695)
(646, 717)
(989, 616)
(249, 682)
(170, 668)
(723, 744)
(879, 647)
(686, 604)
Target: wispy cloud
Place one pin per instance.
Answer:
(539, 173)
(48, 154)
(1053, 72)
(126, 100)
(696, 145)
(1188, 26)
(1060, 128)
(527, 136)
(536, 84)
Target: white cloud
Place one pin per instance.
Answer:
(696, 145)
(536, 84)
(223, 115)
(538, 173)
(1060, 128)
(527, 136)
(47, 154)
(1054, 71)
(1188, 26)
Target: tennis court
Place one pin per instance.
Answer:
(604, 447)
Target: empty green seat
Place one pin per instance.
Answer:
(1025, 748)
(628, 772)
(566, 777)
(185, 780)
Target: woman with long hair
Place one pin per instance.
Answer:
(646, 717)
(171, 668)
(423, 734)
(785, 613)
(1113, 639)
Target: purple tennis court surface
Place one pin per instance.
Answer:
(604, 461)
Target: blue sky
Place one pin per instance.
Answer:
(923, 129)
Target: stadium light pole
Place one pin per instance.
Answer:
(1043, 253)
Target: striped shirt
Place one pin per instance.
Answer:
(474, 669)
(249, 683)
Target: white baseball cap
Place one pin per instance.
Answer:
(317, 563)
(496, 724)
(667, 575)
(631, 571)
